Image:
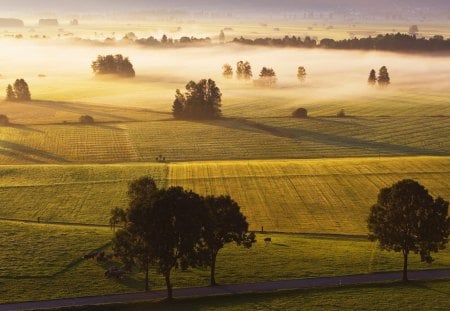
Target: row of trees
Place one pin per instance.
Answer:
(18, 92)
(267, 76)
(200, 100)
(114, 65)
(383, 78)
(175, 228)
(387, 42)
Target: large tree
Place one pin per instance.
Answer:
(201, 100)
(383, 77)
(113, 64)
(244, 70)
(176, 226)
(224, 223)
(407, 219)
(267, 77)
(132, 243)
(21, 90)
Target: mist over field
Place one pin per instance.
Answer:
(330, 74)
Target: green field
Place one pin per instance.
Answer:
(55, 269)
(390, 296)
(307, 196)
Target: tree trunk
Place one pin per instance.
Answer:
(146, 275)
(169, 285)
(405, 266)
(213, 268)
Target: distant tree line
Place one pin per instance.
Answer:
(175, 228)
(113, 64)
(387, 42)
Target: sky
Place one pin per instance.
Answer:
(232, 5)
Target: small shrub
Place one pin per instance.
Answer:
(341, 113)
(300, 113)
(4, 120)
(86, 119)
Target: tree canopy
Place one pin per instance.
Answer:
(224, 223)
(372, 77)
(407, 219)
(267, 77)
(175, 228)
(227, 71)
(19, 91)
(244, 70)
(383, 77)
(301, 74)
(113, 64)
(201, 100)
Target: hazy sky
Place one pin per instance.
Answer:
(232, 5)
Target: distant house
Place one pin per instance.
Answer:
(11, 22)
(48, 22)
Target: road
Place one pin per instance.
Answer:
(244, 288)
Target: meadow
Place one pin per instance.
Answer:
(56, 269)
(306, 196)
(433, 295)
(313, 180)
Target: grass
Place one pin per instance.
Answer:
(317, 196)
(433, 295)
(308, 196)
(56, 270)
(70, 194)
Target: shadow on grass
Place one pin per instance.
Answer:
(25, 152)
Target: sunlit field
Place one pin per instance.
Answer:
(306, 196)
(308, 184)
(56, 269)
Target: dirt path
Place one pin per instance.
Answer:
(261, 287)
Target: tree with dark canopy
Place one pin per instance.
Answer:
(407, 219)
(175, 225)
(10, 95)
(224, 224)
(243, 70)
(21, 90)
(86, 119)
(201, 100)
(301, 74)
(133, 243)
(113, 64)
(372, 77)
(383, 77)
(267, 77)
(227, 71)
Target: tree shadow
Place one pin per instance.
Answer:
(299, 134)
(24, 152)
(424, 286)
(24, 128)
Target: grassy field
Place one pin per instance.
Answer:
(70, 194)
(308, 196)
(47, 132)
(56, 269)
(326, 196)
(389, 296)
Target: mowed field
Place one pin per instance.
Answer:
(308, 196)
(391, 124)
